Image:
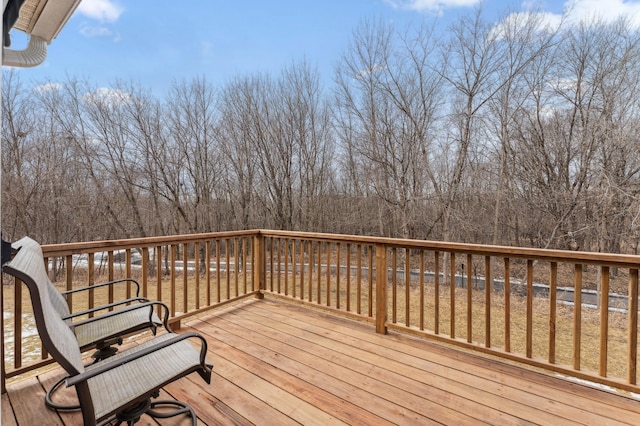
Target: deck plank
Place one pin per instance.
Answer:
(259, 360)
(64, 395)
(543, 391)
(209, 409)
(8, 419)
(394, 404)
(400, 356)
(278, 363)
(289, 404)
(27, 399)
(426, 385)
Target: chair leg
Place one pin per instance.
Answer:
(182, 409)
(132, 415)
(103, 351)
(48, 398)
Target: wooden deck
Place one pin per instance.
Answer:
(277, 363)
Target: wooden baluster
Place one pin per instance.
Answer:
(359, 279)
(604, 320)
(348, 277)
(469, 299)
(338, 261)
(394, 284)
(507, 304)
(421, 272)
(371, 281)
(529, 338)
(172, 260)
(91, 271)
(127, 257)
(327, 247)
(452, 296)
(111, 276)
(219, 273)
(381, 288)
(632, 309)
(407, 287)
(436, 293)
(488, 283)
(207, 262)
(553, 284)
(145, 271)
(577, 315)
(196, 272)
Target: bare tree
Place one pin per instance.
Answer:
(192, 119)
(387, 98)
(237, 113)
(308, 124)
(527, 52)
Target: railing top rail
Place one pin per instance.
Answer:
(64, 249)
(609, 259)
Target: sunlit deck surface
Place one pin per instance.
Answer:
(277, 363)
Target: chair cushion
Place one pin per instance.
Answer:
(113, 325)
(120, 385)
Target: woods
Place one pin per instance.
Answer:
(515, 133)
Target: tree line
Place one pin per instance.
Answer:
(514, 133)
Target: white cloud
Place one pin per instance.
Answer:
(543, 21)
(92, 31)
(101, 10)
(608, 11)
(107, 96)
(575, 12)
(48, 87)
(430, 5)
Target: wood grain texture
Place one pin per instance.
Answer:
(278, 363)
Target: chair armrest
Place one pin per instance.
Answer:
(106, 365)
(165, 318)
(103, 307)
(107, 283)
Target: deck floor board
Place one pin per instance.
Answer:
(278, 363)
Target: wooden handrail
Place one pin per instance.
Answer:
(475, 296)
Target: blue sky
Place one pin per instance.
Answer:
(155, 42)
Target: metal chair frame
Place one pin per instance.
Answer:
(119, 388)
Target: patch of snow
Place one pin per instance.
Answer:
(596, 385)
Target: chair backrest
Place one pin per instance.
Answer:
(57, 300)
(57, 338)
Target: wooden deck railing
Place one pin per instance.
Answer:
(189, 273)
(543, 308)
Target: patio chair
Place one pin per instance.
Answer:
(119, 388)
(103, 330)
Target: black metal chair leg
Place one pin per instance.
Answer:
(132, 415)
(48, 398)
(183, 409)
(104, 351)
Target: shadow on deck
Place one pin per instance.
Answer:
(277, 363)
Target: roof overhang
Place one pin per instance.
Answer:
(42, 20)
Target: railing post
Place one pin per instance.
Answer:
(258, 265)
(381, 288)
